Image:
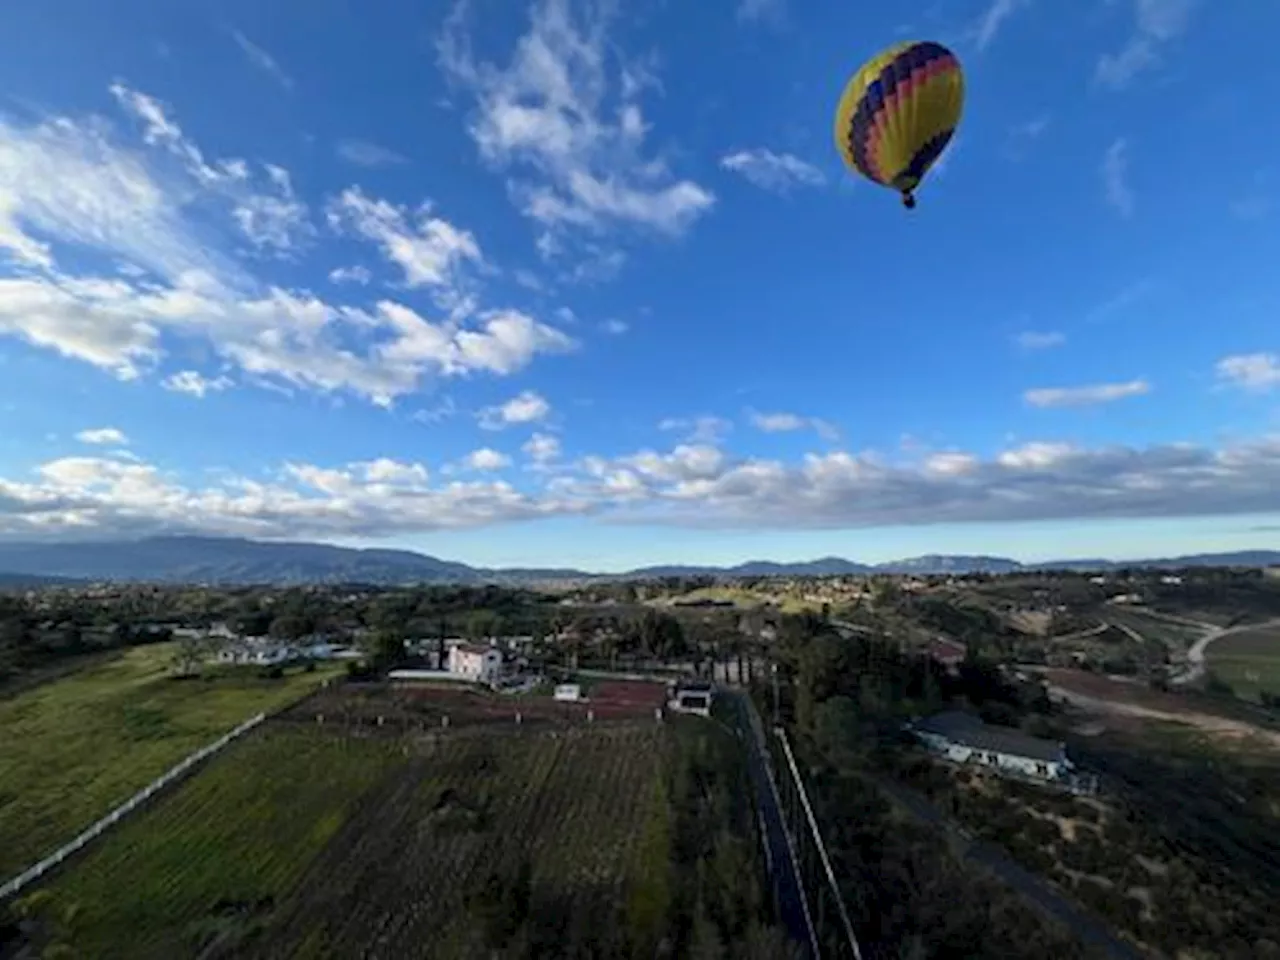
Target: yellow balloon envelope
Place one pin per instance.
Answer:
(899, 112)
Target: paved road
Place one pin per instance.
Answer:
(793, 908)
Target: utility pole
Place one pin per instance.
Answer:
(776, 719)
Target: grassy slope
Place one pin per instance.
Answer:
(75, 747)
(1249, 661)
(242, 830)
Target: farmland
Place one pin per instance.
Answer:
(1249, 661)
(309, 840)
(76, 746)
(399, 708)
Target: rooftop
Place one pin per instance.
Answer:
(969, 731)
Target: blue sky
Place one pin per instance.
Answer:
(589, 285)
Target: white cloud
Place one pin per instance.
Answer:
(568, 131)
(290, 337)
(542, 448)
(1115, 177)
(1254, 371)
(365, 154)
(988, 25)
(103, 436)
(429, 250)
(704, 429)
(615, 327)
(790, 422)
(485, 459)
(1156, 24)
(273, 221)
(264, 207)
(527, 407)
(66, 180)
(691, 485)
(262, 60)
(1040, 340)
(193, 383)
(68, 188)
(777, 422)
(778, 172)
(357, 274)
(1087, 395)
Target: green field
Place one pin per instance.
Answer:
(1249, 661)
(73, 748)
(244, 829)
(305, 843)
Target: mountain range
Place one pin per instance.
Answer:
(224, 560)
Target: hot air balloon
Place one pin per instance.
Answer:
(899, 112)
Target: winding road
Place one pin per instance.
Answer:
(1196, 655)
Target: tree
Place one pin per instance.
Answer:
(190, 655)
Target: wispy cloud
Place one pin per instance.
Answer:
(365, 154)
(1022, 136)
(1258, 372)
(1087, 395)
(358, 275)
(703, 429)
(195, 384)
(1115, 177)
(779, 172)
(103, 436)
(569, 133)
(1156, 24)
(1040, 340)
(790, 422)
(988, 25)
(151, 210)
(262, 60)
(542, 448)
(615, 326)
(527, 407)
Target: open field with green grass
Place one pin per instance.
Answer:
(749, 599)
(1249, 661)
(74, 747)
(304, 843)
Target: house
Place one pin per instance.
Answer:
(948, 653)
(255, 651)
(963, 738)
(691, 696)
(476, 663)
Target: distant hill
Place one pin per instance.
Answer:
(228, 560)
(11, 581)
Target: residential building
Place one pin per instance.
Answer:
(476, 663)
(963, 738)
(691, 696)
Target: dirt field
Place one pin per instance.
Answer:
(1124, 704)
(395, 708)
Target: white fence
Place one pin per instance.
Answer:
(175, 772)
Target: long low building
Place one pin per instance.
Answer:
(964, 738)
